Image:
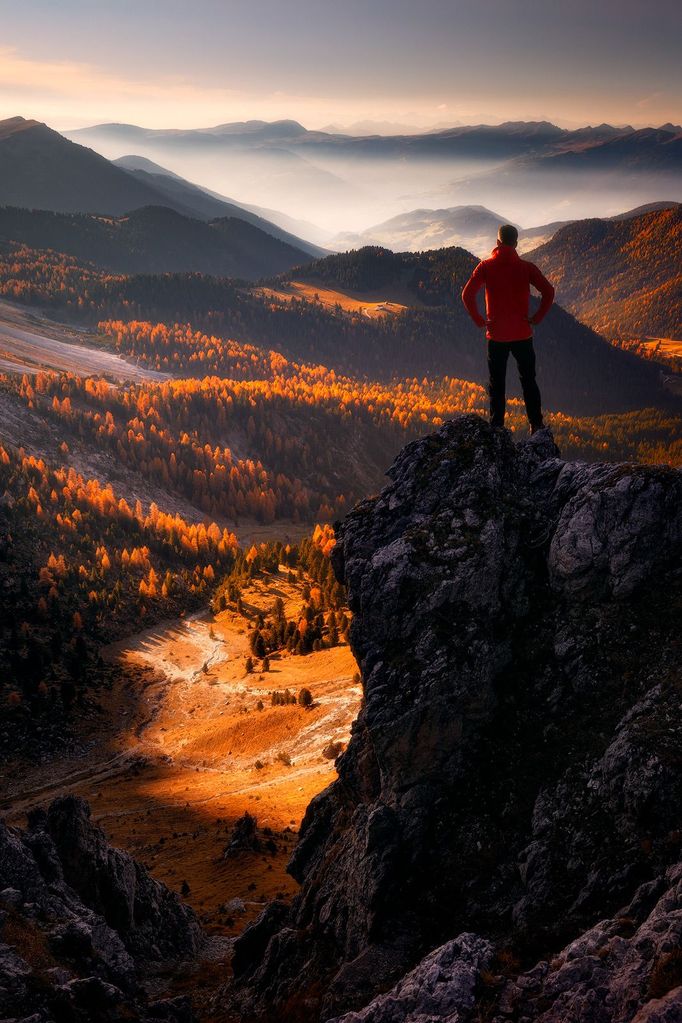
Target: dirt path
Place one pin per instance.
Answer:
(197, 742)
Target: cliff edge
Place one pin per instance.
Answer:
(514, 776)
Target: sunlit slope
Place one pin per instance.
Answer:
(429, 284)
(622, 277)
(432, 336)
(190, 741)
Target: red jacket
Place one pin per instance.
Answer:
(507, 280)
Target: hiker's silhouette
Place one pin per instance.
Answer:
(509, 329)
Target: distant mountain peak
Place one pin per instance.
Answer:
(257, 125)
(12, 125)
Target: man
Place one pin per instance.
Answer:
(507, 279)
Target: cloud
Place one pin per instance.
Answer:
(69, 94)
(71, 79)
(648, 101)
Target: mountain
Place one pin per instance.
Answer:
(534, 170)
(623, 277)
(428, 333)
(207, 205)
(443, 339)
(507, 139)
(640, 150)
(531, 237)
(512, 783)
(269, 163)
(471, 227)
(629, 168)
(154, 239)
(41, 169)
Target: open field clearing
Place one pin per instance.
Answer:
(29, 343)
(373, 305)
(667, 347)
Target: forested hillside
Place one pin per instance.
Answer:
(433, 336)
(623, 277)
(153, 239)
(79, 566)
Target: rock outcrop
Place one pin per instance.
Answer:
(623, 970)
(79, 923)
(514, 774)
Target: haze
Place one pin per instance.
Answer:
(390, 66)
(189, 65)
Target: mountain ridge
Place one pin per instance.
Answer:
(154, 239)
(210, 205)
(622, 277)
(534, 170)
(42, 169)
(474, 227)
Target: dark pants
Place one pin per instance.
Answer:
(498, 353)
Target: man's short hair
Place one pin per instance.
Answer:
(508, 234)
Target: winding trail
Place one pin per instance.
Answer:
(189, 741)
(181, 722)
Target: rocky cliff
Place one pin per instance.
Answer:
(80, 923)
(514, 775)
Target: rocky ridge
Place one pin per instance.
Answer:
(81, 922)
(513, 779)
(623, 970)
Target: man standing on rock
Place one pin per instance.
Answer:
(507, 279)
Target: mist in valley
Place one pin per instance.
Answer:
(330, 189)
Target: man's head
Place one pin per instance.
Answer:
(508, 235)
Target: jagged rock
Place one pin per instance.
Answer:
(96, 916)
(622, 970)
(515, 769)
(244, 837)
(610, 974)
(442, 988)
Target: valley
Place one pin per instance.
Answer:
(189, 742)
(231, 461)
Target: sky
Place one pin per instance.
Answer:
(172, 63)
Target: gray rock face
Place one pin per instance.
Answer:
(622, 970)
(515, 769)
(443, 987)
(79, 920)
(618, 971)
